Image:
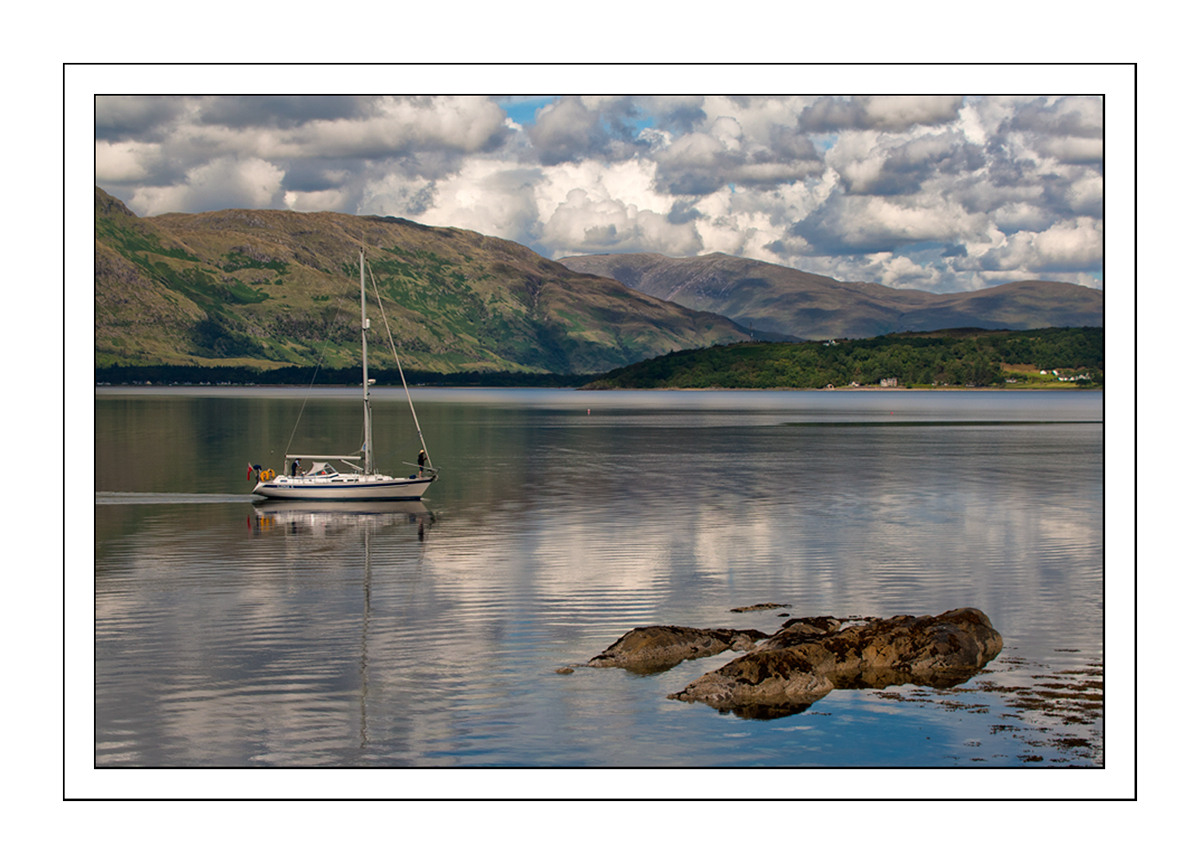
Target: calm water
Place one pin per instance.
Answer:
(228, 633)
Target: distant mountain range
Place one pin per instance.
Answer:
(266, 288)
(769, 297)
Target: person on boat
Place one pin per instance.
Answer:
(421, 464)
(295, 466)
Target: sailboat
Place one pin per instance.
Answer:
(324, 482)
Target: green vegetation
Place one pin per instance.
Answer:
(200, 286)
(952, 358)
(132, 241)
(238, 260)
(270, 289)
(267, 289)
(302, 376)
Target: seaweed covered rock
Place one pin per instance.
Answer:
(655, 649)
(800, 664)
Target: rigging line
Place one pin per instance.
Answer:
(320, 363)
(392, 342)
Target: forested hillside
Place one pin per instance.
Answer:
(960, 358)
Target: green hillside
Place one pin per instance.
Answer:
(959, 358)
(266, 289)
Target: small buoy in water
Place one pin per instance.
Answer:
(589, 412)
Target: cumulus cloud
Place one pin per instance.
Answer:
(940, 192)
(223, 183)
(583, 223)
(1063, 247)
(124, 161)
(886, 113)
(851, 224)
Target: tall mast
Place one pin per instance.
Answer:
(368, 447)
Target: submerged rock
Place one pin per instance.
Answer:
(759, 606)
(810, 657)
(656, 649)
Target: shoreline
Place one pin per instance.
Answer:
(386, 387)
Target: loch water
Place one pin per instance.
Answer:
(233, 632)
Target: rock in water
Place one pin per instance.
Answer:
(655, 649)
(800, 664)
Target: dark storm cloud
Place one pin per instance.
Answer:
(866, 224)
(1072, 117)
(682, 213)
(1069, 130)
(703, 162)
(829, 231)
(314, 175)
(566, 131)
(790, 144)
(144, 118)
(691, 183)
(282, 112)
(884, 113)
(909, 165)
(569, 130)
(682, 119)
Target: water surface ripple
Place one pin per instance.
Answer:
(232, 633)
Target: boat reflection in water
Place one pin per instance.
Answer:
(338, 518)
(326, 537)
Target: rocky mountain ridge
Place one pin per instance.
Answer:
(770, 297)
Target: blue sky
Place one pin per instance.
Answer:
(523, 109)
(940, 193)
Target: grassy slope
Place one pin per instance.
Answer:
(269, 288)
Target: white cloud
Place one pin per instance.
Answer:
(1073, 245)
(586, 224)
(845, 184)
(1072, 149)
(1021, 215)
(223, 183)
(876, 223)
(492, 197)
(899, 112)
(333, 200)
(123, 161)
(1086, 195)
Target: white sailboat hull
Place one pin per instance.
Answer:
(344, 488)
(322, 482)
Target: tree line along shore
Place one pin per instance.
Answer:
(1051, 358)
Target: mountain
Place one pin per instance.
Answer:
(765, 296)
(269, 288)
